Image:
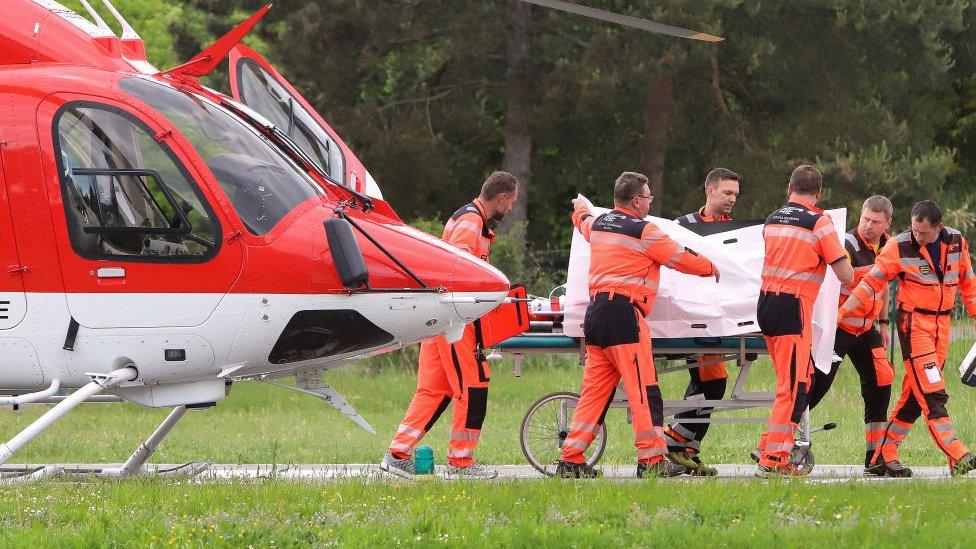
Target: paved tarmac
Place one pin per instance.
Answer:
(371, 472)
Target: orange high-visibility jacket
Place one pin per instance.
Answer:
(627, 252)
(468, 229)
(920, 287)
(862, 256)
(800, 242)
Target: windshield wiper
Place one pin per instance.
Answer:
(297, 153)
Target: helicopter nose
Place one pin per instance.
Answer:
(476, 286)
(464, 287)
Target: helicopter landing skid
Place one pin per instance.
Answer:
(135, 465)
(34, 473)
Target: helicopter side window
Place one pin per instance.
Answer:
(260, 91)
(125, 194)
(261, 182)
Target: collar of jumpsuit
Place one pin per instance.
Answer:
(708, 218)
(876, 247)
(808, 205)
(483, 211)
(626, 210)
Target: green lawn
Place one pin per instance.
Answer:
(263, 424)
(521, 514)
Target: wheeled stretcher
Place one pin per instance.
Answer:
(546, 423)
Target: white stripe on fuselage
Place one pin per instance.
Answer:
(239, 330)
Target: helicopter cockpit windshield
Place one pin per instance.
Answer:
(262, 183)
(264, 94)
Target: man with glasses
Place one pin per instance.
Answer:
(626, 255)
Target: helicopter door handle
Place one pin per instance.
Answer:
(111, 272)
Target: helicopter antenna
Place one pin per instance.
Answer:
(625, 20)
(128, 33)
(99, 22)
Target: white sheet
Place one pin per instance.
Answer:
(692, 306)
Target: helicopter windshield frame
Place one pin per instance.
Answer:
(259, 176)
(132, 142)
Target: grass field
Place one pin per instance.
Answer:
(518, 514)
(258, 423)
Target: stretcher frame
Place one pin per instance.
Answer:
(743, 349)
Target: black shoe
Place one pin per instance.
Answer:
(565, 469)
(874, 470)
(888, 469)
(965, 465)
(755, 455)
(661, 469)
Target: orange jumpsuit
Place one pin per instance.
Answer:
(626, 255)
(858, 338)
(800, 243)
(708, 379)
(452, 371)
(926, 293)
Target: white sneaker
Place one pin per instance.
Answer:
(403, 468)
(474, 471)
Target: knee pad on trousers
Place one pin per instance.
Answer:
(655, 404)
(876, 400)
(714, 389)
(477, 407)
(437, 413)
(936, 403)
(800, 404)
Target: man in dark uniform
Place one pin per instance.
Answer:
(709, 378)
(857, 336)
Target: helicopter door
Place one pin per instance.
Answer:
(141, 245)
(254, 82)
(13, 300)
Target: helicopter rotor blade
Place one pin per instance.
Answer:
(625, 20)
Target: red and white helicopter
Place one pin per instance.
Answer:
(162, 240)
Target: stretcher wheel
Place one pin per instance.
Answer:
(802, 458)
(545, 427)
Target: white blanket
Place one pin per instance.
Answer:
(692, 306)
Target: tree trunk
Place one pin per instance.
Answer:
(518, 116)
(654, 147)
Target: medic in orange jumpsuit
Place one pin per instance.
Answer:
(800, 242)
(457, 371)
(857, 337)
(709, 377)
(931, 262)
(626, 255)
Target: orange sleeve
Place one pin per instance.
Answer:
(967, 280)
(887, 265)
(464, 232)
(830, 248)
(583, 220)
(662, 249)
